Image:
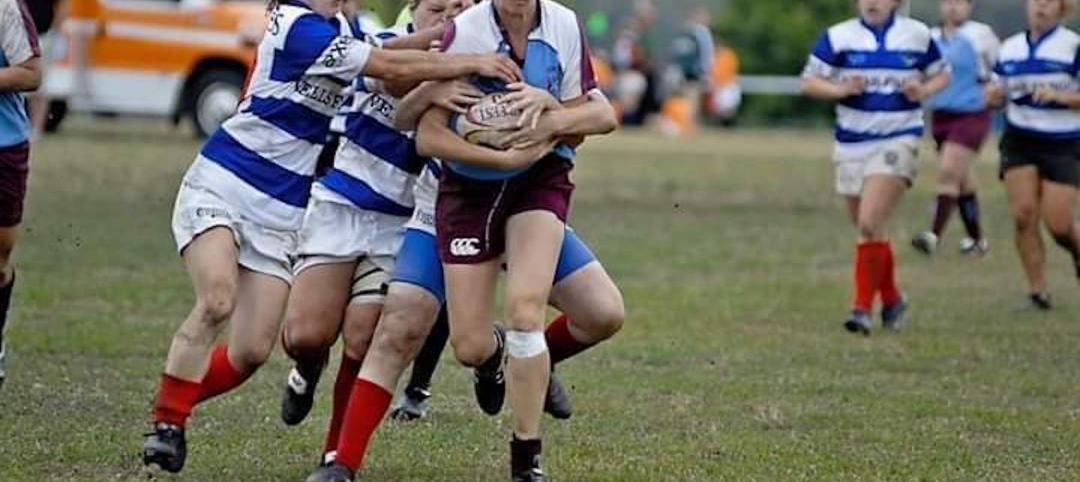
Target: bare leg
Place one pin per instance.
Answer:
(533, 242)
(1023, 187)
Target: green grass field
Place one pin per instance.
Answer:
(734, 258)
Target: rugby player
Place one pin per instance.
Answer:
(878, 68)
(960, 123)
(20, 71)
(1037, 81)
(242, 201)
(350, 235)
(484, 213)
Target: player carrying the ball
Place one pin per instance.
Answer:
(482, 214)
(1038, 81)
(878, 68)
(243, 200)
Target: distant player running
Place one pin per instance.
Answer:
(961, 123)
(1038, 80)
(243, 200)
(20, 71)
(879, 68)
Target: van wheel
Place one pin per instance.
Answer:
(214, 98)
(57, 111)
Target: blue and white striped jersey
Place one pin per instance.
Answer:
(972, 52)
(262, 158)
(377, 165)
(1026, 66)
(886, 57)
(349, 27)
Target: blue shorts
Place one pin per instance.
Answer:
(418, 261)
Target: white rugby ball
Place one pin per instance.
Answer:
(489, 122)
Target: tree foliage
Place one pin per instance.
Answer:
(774, 37)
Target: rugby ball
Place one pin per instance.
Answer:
(489, 122)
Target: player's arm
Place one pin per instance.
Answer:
(418, 66)
(588, 115)
(936, 71)
(23, 74)
(453, 95)
(822, 88)
(1070, 99)
(22, 77)
(435, 139)
(417, 41)
(820, 76)
(919, 91)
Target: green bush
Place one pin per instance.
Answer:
(774, 37)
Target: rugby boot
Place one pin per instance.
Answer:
(525, 461)
(557, 402)
(297, 399)
(858, 322)
(971, 247)
(892, 316)
(489, 381)
(413, 404)
(331, 473)
(165, 447)
(925, 243)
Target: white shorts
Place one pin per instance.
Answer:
(424, 194)
(261, 249)
(854, 163)
(341, 233)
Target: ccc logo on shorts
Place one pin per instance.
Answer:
(465, 247)
(891, 158)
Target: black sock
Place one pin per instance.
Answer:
(943, 209)
(5, 303)
(524, 454)
(428, 359)
(969, 213)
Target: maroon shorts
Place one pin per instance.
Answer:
(14, 169)
(471, 214)
(967, 129)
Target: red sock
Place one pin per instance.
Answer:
(870, 262)
(346, 377)
(560, 342)
(175, 400)
(890, 294)
(222, 376)
(368, 404)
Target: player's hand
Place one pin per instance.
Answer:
(531, 101)
(995, 94)
(543, 131)
(915, 90)
(1045, 95)
(519, 157)
(853, 86)
(497, 67)
(456, 96)
(435, 46)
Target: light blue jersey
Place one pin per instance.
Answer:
(972, 52)
(18, 44)
(557, 60)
